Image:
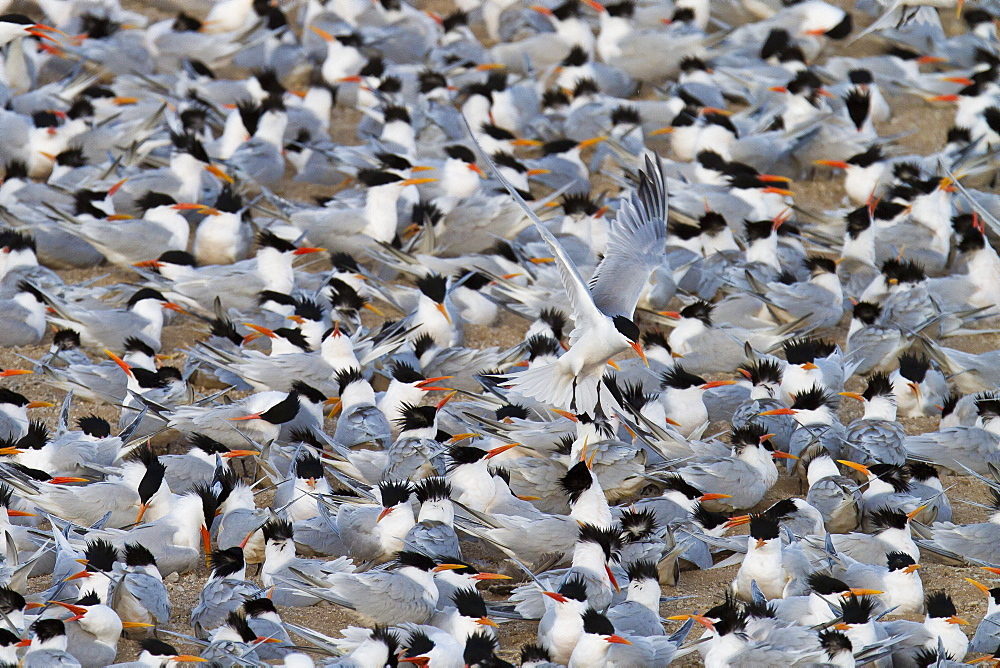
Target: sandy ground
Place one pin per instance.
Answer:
(821, 192)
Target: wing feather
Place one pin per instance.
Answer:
(636, 246)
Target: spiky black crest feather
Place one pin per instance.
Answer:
(638, 525)
(609, 538)
(432, 489)
(278, 530)
(576, 481)
(879, 385)
(678, 378)
(394, 492)
(884, 517)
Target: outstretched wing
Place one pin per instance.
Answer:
(585, 312)
(636, 246)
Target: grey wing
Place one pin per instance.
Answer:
(636, 246)
(976, 541)
(151, 593)
(184, 472)
(585, 312)
(356, 526)
(860, 547)
(433, 539)
(987, 636)
(725, 477)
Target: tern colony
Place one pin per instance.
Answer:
(605, 178)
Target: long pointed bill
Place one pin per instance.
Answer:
(490, 576)
(637, 347)
(78, 576)
(565, 414)
(556, 596)
(717, 383)
(175, 307)
(14, 372)
(269, 333)
(778, 411)
(444, 312)
(448, 397)
(838, 164)
(20, 513)
(40, 404)
(62, 479)
(417, 181)
(449, 567)
(306, 250)
(854, 465)
(206, 543)
(618, 640)
(75, 609)
(714, 497)
(142, 511)
(373, 309)
(240, 453)
(137, 625)
(590, 142)
(861, 592)
(911, 568)
(426, 384)
(252, 416)
(978, 585)
(955, 619)
(784, 192)
(777, 454)
(500, 449)
(611, 576)
(486, 621)
(382, 515)
(916, 511)
(218, 172)
(852, 395)
(738, 520)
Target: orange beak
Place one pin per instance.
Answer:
(618, 640)
(852, 395)
(490, 576)
(444, 312)
(978, 585)
(500, 449)
(717, 383)
(425, 384)
(779, 411)
(611, 576)
(911, 568)
(382, 515)
(637, 347)
(240, 453)
(217, 172)
(14, 372)
(738, 520)
(854, 465)
(119, 361)
(478, 170)
(713, 496)
(839, 164)
(555, 596)
(306, 250)
(206, 542)
(777, 454)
